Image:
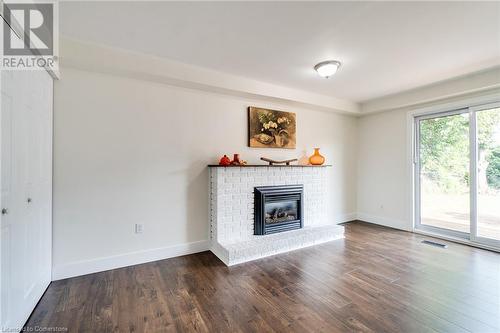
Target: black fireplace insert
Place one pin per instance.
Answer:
(278, 208)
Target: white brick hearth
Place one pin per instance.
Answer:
(232, 211)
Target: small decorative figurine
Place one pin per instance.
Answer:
(235, 162)
(225, 161)
(304, 159)
(236, 159)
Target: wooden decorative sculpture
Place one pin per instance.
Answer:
(273, 162)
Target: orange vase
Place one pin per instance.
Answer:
(316, 158)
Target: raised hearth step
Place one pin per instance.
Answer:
(262, 246)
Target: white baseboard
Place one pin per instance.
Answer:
(128, 259)
(387, 222)
(347, 217)
(84, 267)
(457, 240)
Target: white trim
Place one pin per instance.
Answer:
(134, 258)
(415, 177)
(220, 252)
(457, 240)
(347, 217)
(122, 260)
(441, 114)
(455, 105)
(473, 83)
(387, 222)
(393, 223)
(483, 107)
(104, 59)
(473, 191)
(412, 159)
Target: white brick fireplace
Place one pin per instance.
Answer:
(232, 211)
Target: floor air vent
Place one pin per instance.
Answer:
(444, 246)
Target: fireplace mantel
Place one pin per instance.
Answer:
(267, 165)
(232, 211)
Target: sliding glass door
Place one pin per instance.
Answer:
(444, 159)
(486, 228)
(457, 174)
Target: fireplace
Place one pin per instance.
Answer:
(278, 208)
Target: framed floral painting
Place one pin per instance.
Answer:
(271, 128)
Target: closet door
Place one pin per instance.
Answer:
(26, 162)
(8, 214)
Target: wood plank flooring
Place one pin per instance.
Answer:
(376, 280)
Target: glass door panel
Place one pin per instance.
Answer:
(488, 174)
(444, 177)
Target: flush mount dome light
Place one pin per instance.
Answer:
(327, 68)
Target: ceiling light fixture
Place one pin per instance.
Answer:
(327, 68)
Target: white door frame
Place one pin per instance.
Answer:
(470, 105)
(473, 172)
(417, 221)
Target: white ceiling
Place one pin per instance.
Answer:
(385, 47)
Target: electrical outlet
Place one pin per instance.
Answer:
(139, 228)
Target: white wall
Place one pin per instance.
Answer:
(132, 151)
(383, 186)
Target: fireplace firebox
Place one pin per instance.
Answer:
(278, 208)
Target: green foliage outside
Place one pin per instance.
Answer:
(493, 169)
(444, 151)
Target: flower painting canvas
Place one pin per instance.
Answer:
(271, 128)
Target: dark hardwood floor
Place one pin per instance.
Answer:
(376, 280)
